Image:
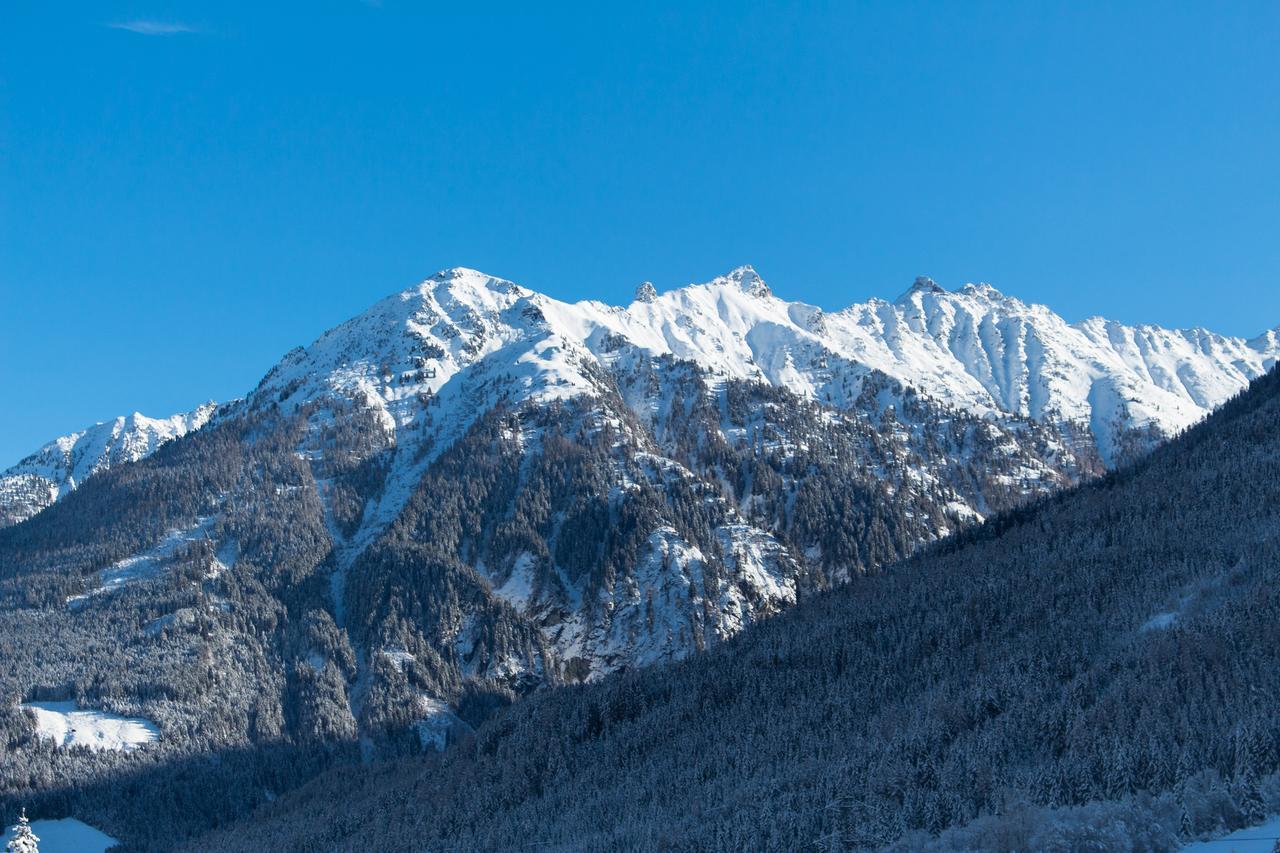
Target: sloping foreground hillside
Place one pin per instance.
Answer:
(1118, 639)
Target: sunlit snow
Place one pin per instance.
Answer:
(60, 466)
(66, 725)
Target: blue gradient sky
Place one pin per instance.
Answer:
(189, 190)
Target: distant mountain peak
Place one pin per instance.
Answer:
(747, 280)
(646, 292)
(464, 280)
(61, 465)
(983, 290)
(921, 286)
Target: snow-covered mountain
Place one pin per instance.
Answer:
(974, 349)
(64, 463)
(424, 367)
(472, 490)
(986, 351)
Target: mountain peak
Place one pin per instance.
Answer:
(646, 292)
(982, 289)
(58, 467)
(922, 284)
(472, 277)
(468, 285)
(747, 279)
(453, 273)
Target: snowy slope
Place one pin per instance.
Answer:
(64, 463)
(68, 835)
(468, 339)
(1253, 839)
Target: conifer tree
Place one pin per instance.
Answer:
(24, 840)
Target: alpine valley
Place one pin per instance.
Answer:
(473, 491)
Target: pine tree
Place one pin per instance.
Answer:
(1186, 827)
(24, 840)
(1249, 801)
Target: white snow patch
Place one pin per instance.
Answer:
(518, 588)
(962, 511)
(1160, 621)
(184, 618)
(66, 725)
(437, 723)
(398, 658)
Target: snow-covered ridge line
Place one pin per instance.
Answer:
(464, 337)
(973, 348)
(58, 467)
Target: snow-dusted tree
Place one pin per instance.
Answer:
(24, 840)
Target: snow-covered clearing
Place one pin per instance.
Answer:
(518, 588)
(66, 725)
(69, 835)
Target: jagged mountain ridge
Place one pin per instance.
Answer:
(64, 463)
(975, 349)
(420, 368)
(427, 363)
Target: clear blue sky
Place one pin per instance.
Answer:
(189, 190)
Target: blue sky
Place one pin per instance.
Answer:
(189, 190)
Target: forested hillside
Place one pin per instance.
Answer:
(1117, 645)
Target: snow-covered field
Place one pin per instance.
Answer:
(66, 725)
(1254, 839)
(70, 836)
